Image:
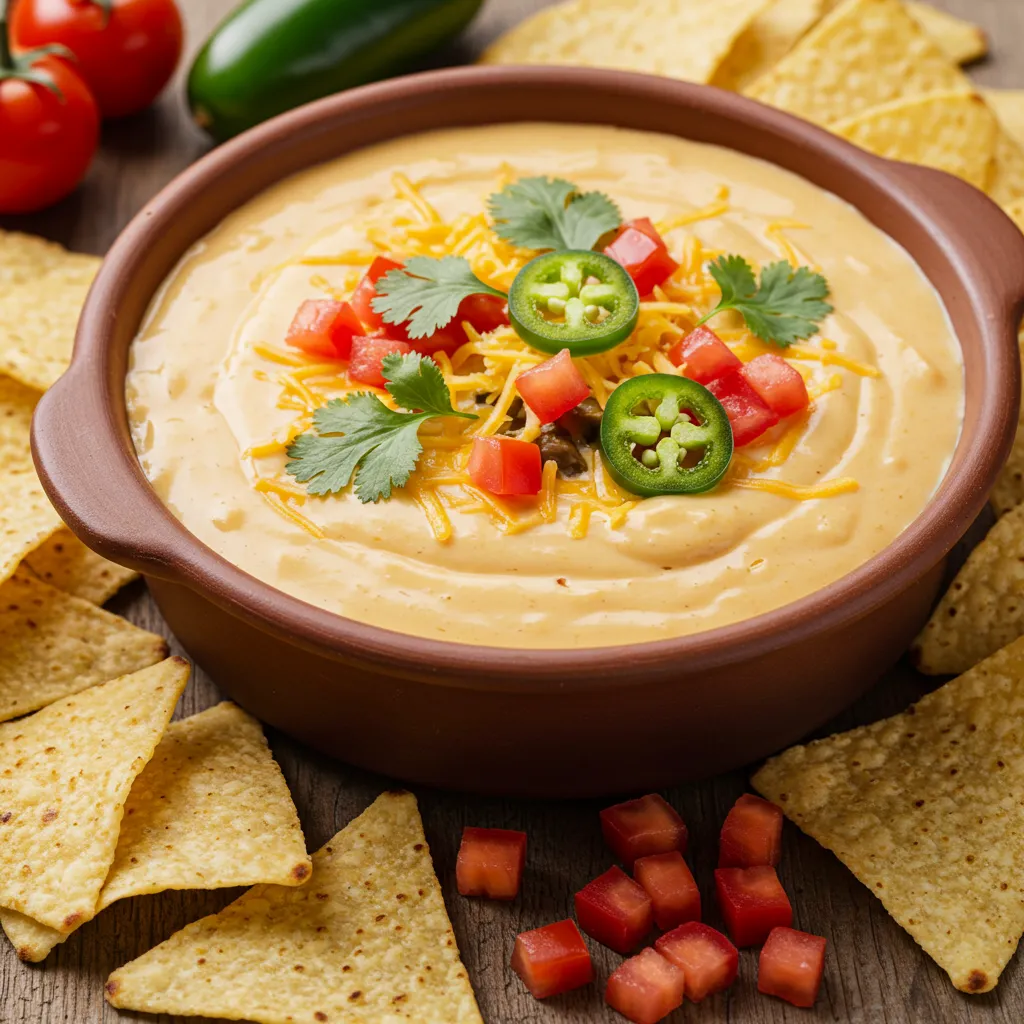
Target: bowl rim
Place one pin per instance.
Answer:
(160, 545)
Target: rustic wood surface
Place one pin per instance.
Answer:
(875, 973)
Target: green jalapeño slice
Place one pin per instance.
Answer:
(576, 299)
(662, 434)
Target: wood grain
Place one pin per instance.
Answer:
(875, 973)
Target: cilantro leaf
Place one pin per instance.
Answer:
(427, 292)
(552, 213)
(786, 306)
(360, 436)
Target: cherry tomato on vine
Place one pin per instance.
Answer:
(127, 50)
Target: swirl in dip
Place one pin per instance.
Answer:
(214, 397)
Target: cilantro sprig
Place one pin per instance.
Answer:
(426, 294)
(360, 436)
(552, 213)
(786, 306)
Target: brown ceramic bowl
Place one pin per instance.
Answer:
(544, 722)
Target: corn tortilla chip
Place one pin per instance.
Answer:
(862, 54)
(65, 773)
(367, 939)
(42, 290)
(17, 404)
(954, 132)
(53, 645)
(685, 39)
(66, 563)
(927, 810)
(983, 610)
(27, 518)
(1008, 105)
(211, 810)
(1006, 184)
(961, 41)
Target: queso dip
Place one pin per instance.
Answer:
(215, 397)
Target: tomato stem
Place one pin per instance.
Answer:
(6, 59)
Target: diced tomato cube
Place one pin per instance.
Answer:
(323, 327)
(615, 910)
(638, 828)
(645, 988)
(448, 339)
(491, 862)
(781, 388)
(484, 313)
(706, 957)
(791, 966)
(552, 959)
(553, 388)
(749, 416)
(703, 356)
(751, 834)
(366, 292)
(505, 465)
(667, 879)
(643, 253)
(367, 356)
(752, 902)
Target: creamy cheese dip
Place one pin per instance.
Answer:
(200, 396)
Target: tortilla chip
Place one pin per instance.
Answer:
(927, 810)
(42, 291)
(27, 518)
(53, 645)
(366, 939)
(954, 132)
(65, 773)
(865, 53)
(685, 39)
(1006, 184)
(17, 404)
(1008, 105)
(211, 810)
(66, 563)
(961, 41)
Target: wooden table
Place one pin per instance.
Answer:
(875, 972)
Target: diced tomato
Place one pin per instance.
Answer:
(751, 834)
(706, 957)
(552, 959)
(644, 254)
(791, 966)
(505, 465)
(491, 862)
(781, 388)
(615, 910)
(323, 327)
(749, 416)
(484, 313)
(703, 355)
(367, 356)
(667, 879)
(448, 339)
(638, 828)
(752, 902)
(366, 292)
(553, 388)
(645, 988)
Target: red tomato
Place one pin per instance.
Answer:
(484, 313)
(642, 251)
(667, 879)
(366, 292)
(553, 388)
(638, 828)
(126, 56)
(752, 902)
(645, 988)
(751, 834)
(615, 910)
(703, 356)
(706, 957)
(552, 959)
(505, 465)
(791, 966)
(47, 141)
(448, 339)
(323, 327)
(367, 356)
(491, 862)
(749, 416)
(781, 388)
